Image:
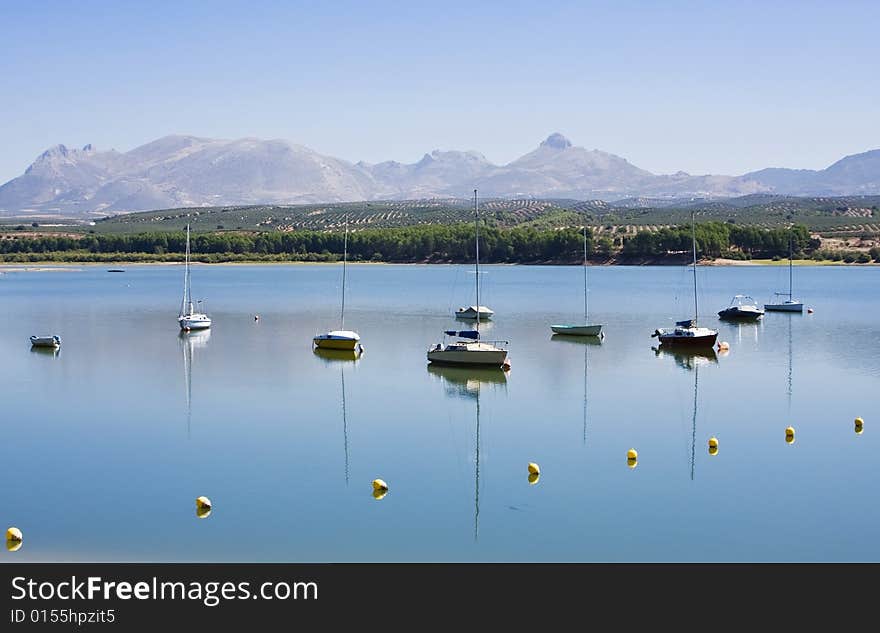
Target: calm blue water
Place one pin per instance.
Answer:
(107, 444)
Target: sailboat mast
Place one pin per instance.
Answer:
(477, 269)
(694, 240)
(187, 291)
(790, 231)
(585, 274)
(344, 259)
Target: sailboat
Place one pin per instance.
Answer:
(189, 319)
(585, 329)
(790, 304)
(340, 339)
(687, 332)
(467, 348)
(475, 312)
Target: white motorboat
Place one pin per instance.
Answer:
(46, 341)
(580, 330)
(471, 312)
(189, 318)
(742, 308)
(340, 339)
(790, 304)
(467, 348)
(687, 332)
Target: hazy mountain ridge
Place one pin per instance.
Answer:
(189, 171)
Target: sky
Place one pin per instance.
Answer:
(705, 87)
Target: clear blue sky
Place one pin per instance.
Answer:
(706, 87)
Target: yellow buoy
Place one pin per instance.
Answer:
(533, 478)
(13, 546)
(378, 484)
(860, 423)
(534, 469)
(789, 434)
(13, 535)
(713, 445)
(632, 463)
(378, 493)
(632, 454)
(203, 507)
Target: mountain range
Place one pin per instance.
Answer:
(188, 171)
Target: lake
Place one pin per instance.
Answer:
(108, 442)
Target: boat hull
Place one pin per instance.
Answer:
(671, 340)
(577, 330)
(45, 341)
(483, 358)
(784, 307)
(340, 344)
(740, 315)
(194, 322)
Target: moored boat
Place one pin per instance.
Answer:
(742, 308)
(46, 341)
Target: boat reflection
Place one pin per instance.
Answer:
(46, 351)
(578, 340)
(189, 342)
(341, 358)
(334, 355)
(467, 382)
(688, 358)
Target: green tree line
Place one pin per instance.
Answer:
(450, 243)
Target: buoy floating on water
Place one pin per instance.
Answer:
(713, 445)
(860, 423)
(809, 310)
(723, 346)
(256, 317)
(203, 507)
(533, 478)
(13, 539)
(789, 434)
(380, 488)
(632, 458)
(534, 469)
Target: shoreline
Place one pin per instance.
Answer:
(74, 266)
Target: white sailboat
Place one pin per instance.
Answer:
(586, 329)
(340, 339)
(687, 332)
(475, 312)
(468, 349)
(790, 304)
(189, 319)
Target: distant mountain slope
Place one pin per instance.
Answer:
(188, 171)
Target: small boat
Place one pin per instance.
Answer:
(115, 270)
(468, 349)
(45, 341)
(340, 339)
(742, 308)
(580, 330)
(471, 312)
(687, 333)
(790, 304)
(188, 318)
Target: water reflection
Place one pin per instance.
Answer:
(467, 382)
(688, 359)
(46, 351)
(333, 355)
(342, 357)
(190, 341)
(578, 340)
